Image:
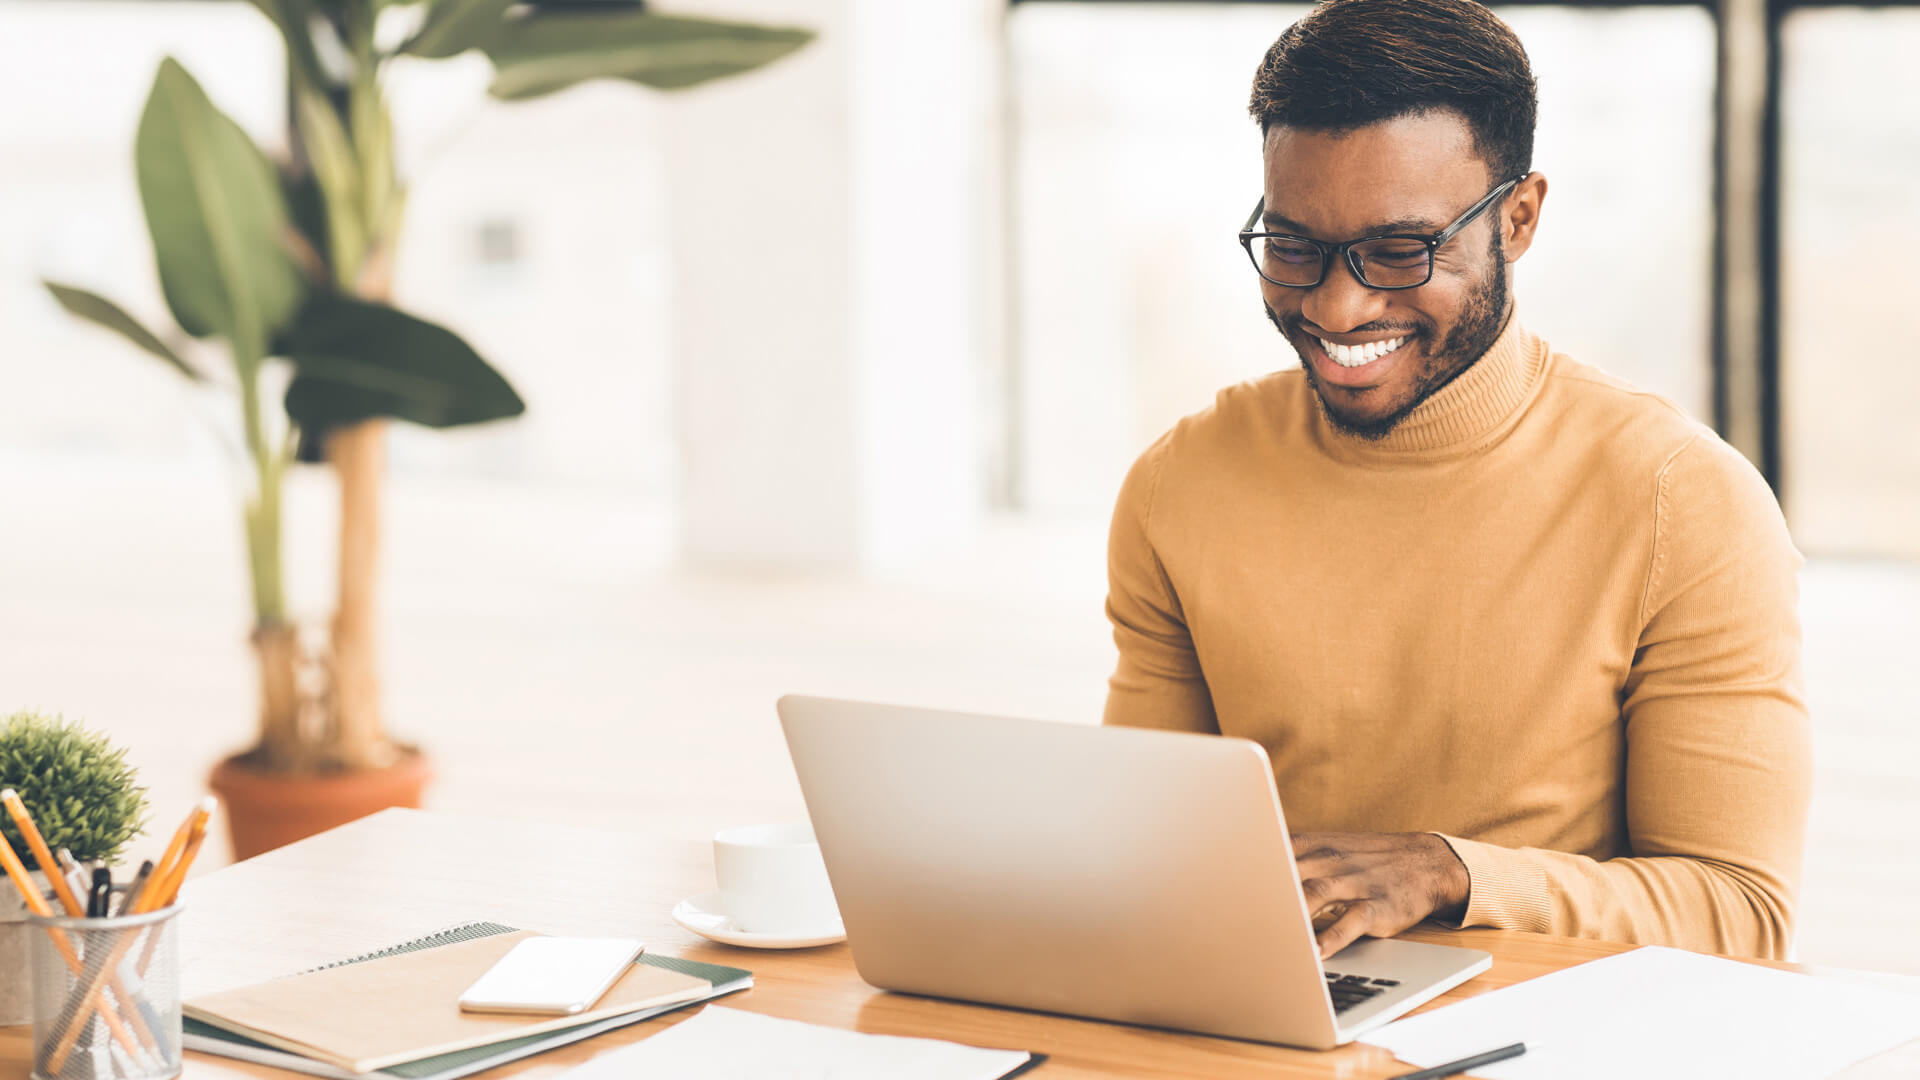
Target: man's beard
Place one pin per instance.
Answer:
(1476, 331)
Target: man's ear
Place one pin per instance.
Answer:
(1520, 217)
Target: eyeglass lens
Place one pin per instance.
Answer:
(1386, 262)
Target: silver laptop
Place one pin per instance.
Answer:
(1120, 874)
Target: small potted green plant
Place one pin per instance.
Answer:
(81, 793)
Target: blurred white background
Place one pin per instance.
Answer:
(832, 373)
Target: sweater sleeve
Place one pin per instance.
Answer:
(1718, 763)
(1157, 682)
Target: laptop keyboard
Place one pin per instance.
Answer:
(1351, 990)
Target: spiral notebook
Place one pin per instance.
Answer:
(230, 1024)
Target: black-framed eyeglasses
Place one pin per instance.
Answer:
(1388, 261)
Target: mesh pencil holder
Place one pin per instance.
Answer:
(106, 997)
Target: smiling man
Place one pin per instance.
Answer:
(1519, 638)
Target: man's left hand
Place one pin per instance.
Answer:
(1381, 883)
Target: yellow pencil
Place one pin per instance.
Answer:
(37, 904)
(17, 870)
(17, 809)
(169, 877)
(164, 893)
(174, 846)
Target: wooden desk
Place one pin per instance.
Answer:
(404, 873)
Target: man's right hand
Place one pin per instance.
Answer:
(1377, 884)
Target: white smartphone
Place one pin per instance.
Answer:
(559, 976)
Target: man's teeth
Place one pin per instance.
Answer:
(1355, 355)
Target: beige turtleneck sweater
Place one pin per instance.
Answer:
(1548, 617)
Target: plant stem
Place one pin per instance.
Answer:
(358, 456)
(282, 745)
(263, 503)
(276, 641)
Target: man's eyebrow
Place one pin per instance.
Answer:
(1282, 223)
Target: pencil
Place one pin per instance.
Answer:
(37, 844)
(168, 879)
(176, 845)
(192, 851)
(37, 904)
(17, 870)
(161, 889)
(138, 886)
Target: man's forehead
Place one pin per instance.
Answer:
(1409, 174)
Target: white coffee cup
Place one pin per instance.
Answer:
(773, 881)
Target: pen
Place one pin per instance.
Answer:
(1474, 1062)
(76, 874)
(101, 892)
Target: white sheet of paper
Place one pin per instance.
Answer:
(732, 1044)
(1654, 1013)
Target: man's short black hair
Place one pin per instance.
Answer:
(1350, 63)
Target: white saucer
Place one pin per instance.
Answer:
(702, 915)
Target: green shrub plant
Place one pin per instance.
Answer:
(77, 785)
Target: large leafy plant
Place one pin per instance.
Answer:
(290, 262)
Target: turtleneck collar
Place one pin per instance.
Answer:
(1466, 414)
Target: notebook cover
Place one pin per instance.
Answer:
(208, 1039)
(403, 1006)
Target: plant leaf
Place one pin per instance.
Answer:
(292, 18)
(372, 133)
(215, 211)
(337, 170)
(454, 26)
(539, 53)
(98, 309)
(355, 360)
(307, 210)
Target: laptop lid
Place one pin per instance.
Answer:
(1139, 876)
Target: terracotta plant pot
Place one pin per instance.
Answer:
(266, 810)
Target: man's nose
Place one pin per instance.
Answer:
(1340, 303)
